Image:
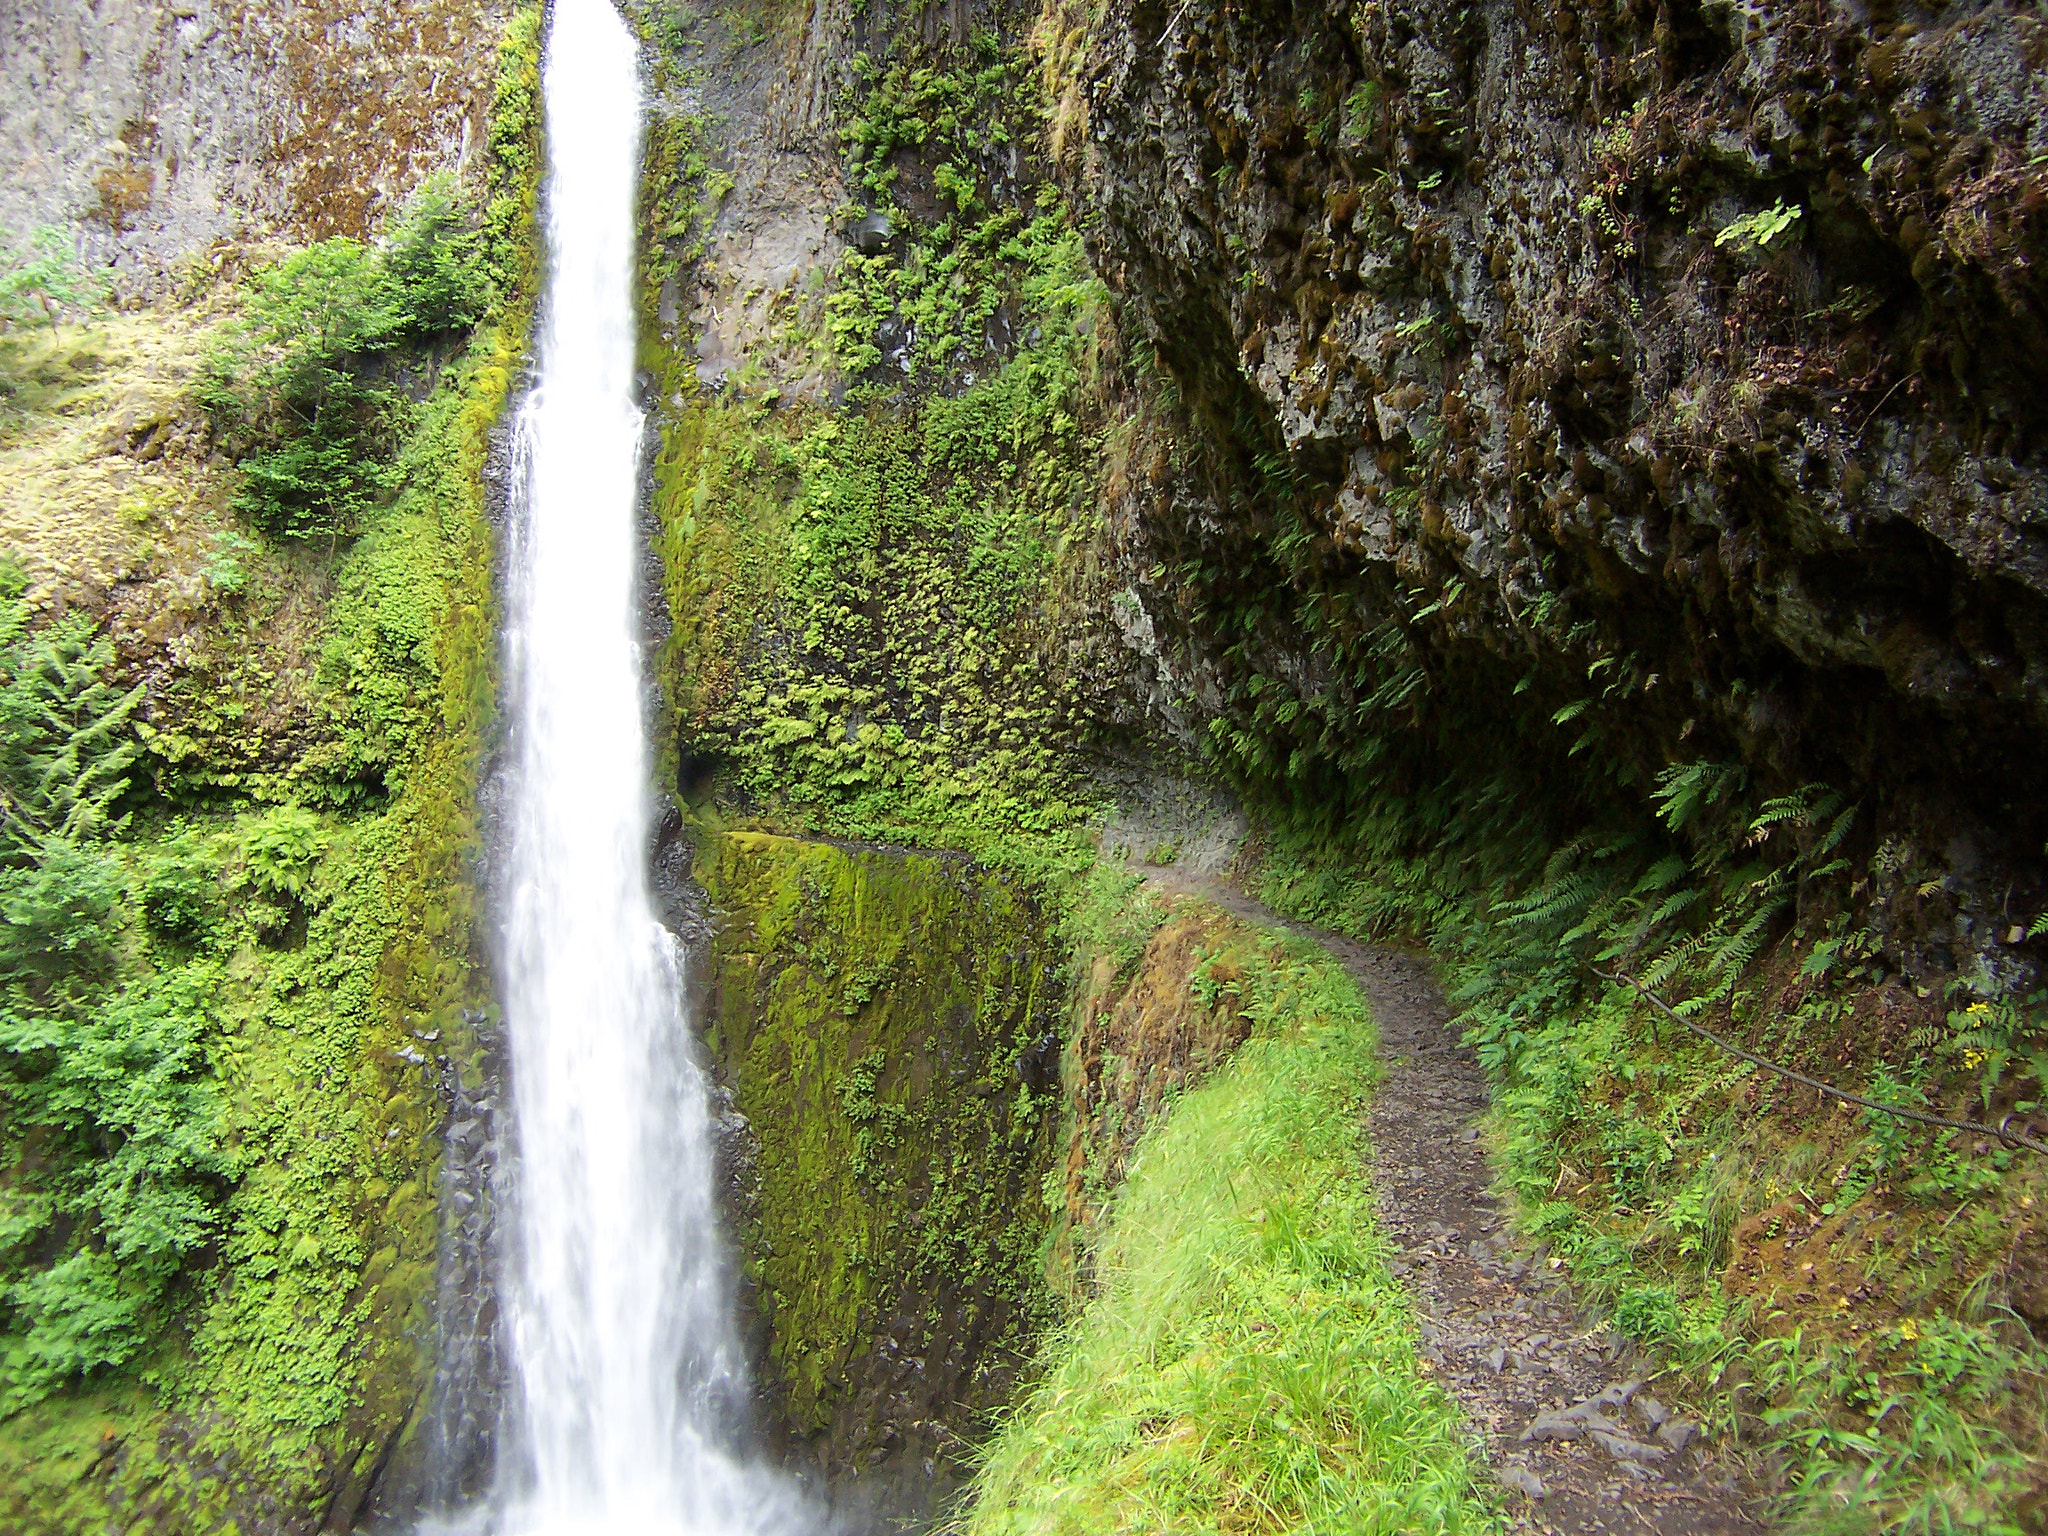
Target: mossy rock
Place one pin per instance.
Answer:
(889, 1023)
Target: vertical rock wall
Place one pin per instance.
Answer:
(150, 132)
(889, 1026)
(1675, 368)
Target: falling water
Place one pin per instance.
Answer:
(627, 1374)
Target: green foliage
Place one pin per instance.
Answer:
(894, 572)
(1902, 1436)
(302, 381)
(991, 245)
(39, 285)
(59, 911)
(1112, 913)
(180, 887)
(131, 1164)
(1755, 231)
(433, 266)
(1248, 1361)
(511, 254)
(952, 109)
(67, 737)
(282, 848)
(227, 570)
(853, 599)
(1687, 793)
(289, 383)
(107, 1084)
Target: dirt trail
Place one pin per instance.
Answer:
(1573, 1434)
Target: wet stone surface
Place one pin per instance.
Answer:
(1576, 1428)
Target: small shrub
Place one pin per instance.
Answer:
(67, 734)
(303, 383)
(1649, 1313)
(283, 848)
(180, 891)
(433, 266)
(226, 570)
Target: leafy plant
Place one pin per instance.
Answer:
(226, 564)
(61, 923)
(283, 848)
(304, 382)
(134, 1170)
(1757, 230)
(45, 282)
(433, 266)
(66, 733)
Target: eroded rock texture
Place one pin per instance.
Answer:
(1682, 365)
(149, 132)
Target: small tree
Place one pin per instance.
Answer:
(300, 382)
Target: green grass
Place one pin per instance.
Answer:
(1248, 1364)
(1833, 1289)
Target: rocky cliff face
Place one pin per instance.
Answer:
(888, 1024)
(1660, 379)
(150, 132)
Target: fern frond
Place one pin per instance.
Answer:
(1687, 792)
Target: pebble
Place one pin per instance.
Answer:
(1522, 1480)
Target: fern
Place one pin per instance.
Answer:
(67, 737)
(1687, 793)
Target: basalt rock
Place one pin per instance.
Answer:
(1674, 368)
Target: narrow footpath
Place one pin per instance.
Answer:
(1575, 1429)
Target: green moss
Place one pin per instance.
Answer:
(874, 605)
(1248, 1361)
(889, 1022)
(341, 954)
(854, 640)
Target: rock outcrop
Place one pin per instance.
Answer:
(150, 132)
(1660, 378)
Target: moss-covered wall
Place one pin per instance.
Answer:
(875, 509)
(291, 887)
(889, 1023)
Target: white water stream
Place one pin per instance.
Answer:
(626, 1372)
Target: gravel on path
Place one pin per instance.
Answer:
(1574, 1429)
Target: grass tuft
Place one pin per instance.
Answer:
(1248, 1363)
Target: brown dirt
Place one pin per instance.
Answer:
(1139, 1043)
(1499, 1330)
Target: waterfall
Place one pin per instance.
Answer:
(626, 1372)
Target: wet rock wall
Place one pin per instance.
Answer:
(1671, 369)
(148, 133)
